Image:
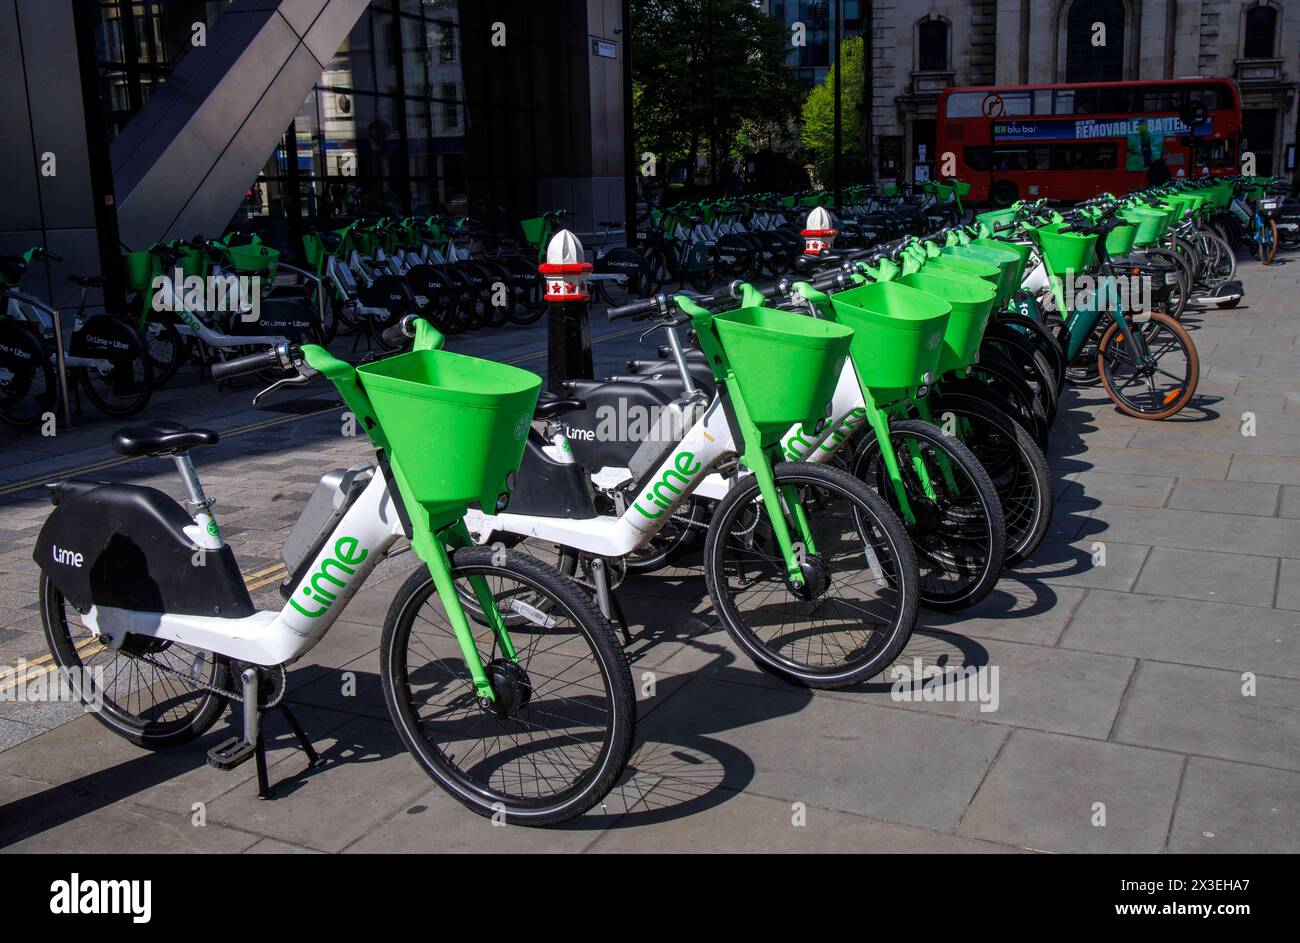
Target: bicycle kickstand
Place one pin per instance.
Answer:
(237, 750)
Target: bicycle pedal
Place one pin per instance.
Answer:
(230, 753)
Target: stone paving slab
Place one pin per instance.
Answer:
(1123, 682)
(1045, 790)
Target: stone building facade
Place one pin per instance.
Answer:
(921, 48)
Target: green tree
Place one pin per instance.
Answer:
(702, 69)
(818, 134)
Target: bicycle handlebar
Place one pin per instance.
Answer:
(250, 363)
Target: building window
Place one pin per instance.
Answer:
(932, 46)
(1086, 59)
(450, 107)
(1261, 33)
(446, 41)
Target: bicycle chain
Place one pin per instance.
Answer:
(281, 688)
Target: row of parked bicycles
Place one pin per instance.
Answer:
(188, 301)
(364, 277)
(849, 444)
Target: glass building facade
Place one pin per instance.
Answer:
(422, 109)
(812, 61)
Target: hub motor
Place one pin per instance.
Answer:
(511, 685)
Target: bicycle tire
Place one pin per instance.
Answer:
(1266, 248)
(1106, 357)
(79, 657)
(780, 655)
(479, 788)
(964, 532)
(1015, 464)
(27, 384)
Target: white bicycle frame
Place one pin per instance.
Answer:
(361, 540)
(706, 444)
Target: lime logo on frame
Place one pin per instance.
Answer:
(348, 554)
(663, 493)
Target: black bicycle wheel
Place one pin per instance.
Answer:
(559, 732)
(27, 387)
(121, 382)
(856, 607)
(673, 539)
(167, 347)
(1042, 340)
(1004, 378)
(959, 532)
(1180, 288)
(1014, 462)
(1033, 366)
(145, 690)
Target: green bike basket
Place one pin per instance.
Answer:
(786, 365)
(971, 300)
(313, 250)
(962, 188)
(139, 269)
(194, 261)
(975, 268)
(1179, 205)
(1021, 249)
(1220, 196)
(943, 192)
(456, 425)
(1167, 215)
(533, 229)
(996, 218)
(1067, 251)
(1194, 201)
(1148, 224)
(1119, 241)
(898, 335)
(257, 259)
(1006, 261)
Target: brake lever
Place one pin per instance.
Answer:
(296, 380)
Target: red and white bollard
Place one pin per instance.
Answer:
(568, 343)
(819, 232)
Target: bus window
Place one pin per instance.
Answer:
(1213, 154)
(1010, 158)
(1211, 97)
(1115, 101)
(1083, 101)
(1162, 99)
(965, 105)
(1083, 157)
(1017, 103)
(977, 158)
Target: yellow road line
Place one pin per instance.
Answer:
(37, 667)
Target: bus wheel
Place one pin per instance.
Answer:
(1003, 193)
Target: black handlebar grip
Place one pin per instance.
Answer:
(262, 360)
(394, 334)
(635, 309)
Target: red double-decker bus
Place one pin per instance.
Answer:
(1072, 141)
